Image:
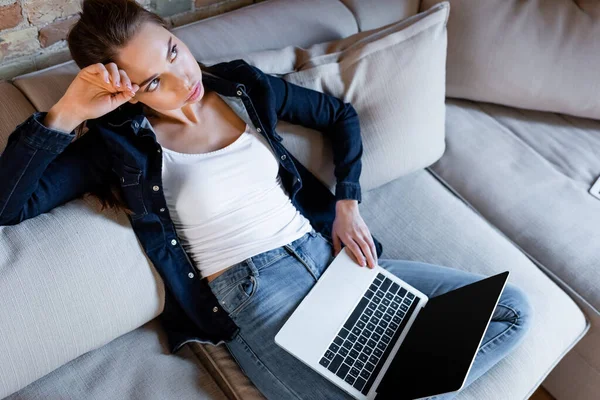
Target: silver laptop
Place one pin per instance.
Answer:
(374, 335)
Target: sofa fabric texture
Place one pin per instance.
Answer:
(536, 169)
(66, 289)
(136, 366)
(536, 54)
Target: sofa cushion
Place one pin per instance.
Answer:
(373, 14)
(44, 88)
(268, 25)
(528, 173)
(137, 365)
(419, 219)
(72, 280)
(394, 78)
(536, 54)
(14, 109)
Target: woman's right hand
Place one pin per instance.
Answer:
(96, 90)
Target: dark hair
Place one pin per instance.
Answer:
(104, 27)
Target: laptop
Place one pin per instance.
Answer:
(376, 336)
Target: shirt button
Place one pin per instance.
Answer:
(215, 309)
(135, 125)
(162, 210)
(258, 130)
(122, 179)
(158, 150)
(173, 242)
(239, 92)
(191, 274)
(155, 188)
(283, 157)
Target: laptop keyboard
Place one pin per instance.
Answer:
(361, 347)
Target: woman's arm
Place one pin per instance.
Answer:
(330, 115)
(42, 168)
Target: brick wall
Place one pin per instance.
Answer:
(32, 32)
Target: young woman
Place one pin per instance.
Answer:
(239, 230)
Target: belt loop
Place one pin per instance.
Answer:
(251, 267)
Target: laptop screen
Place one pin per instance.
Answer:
(441, 345)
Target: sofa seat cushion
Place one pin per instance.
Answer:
(528, 173)
(137, 365)
(419, 219)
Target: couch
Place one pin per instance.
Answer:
(511, 192)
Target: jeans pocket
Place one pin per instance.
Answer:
(236, 296)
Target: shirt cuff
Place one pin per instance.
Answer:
(37, 135)
(348, 191)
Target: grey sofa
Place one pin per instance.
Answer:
(70, 330)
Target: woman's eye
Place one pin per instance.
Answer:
(153, 84)
(151, 88)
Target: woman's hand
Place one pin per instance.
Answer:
(350, 229)
(96, 90)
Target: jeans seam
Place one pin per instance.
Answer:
(243, 304)
(504, 332)
(299, 257)
(272, 261)
(253, 355)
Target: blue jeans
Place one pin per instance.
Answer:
(261, 292)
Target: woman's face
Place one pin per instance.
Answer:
(163, 67)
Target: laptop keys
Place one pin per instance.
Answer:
(359, 383)
(343, 370)
(357, 352)
(334, 365)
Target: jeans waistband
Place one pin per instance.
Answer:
(253, 265)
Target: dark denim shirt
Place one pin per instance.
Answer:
(43, 168)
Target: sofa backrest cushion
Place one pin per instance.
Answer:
(536, 54)
(14, 109)
(268, 25)
(373, 14)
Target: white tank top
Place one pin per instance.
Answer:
(229, 204)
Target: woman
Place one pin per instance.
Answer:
(171, 132)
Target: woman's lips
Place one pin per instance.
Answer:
(196, 92)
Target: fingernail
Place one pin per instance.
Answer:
(128, 86)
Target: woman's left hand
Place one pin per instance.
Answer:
(350, 229)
